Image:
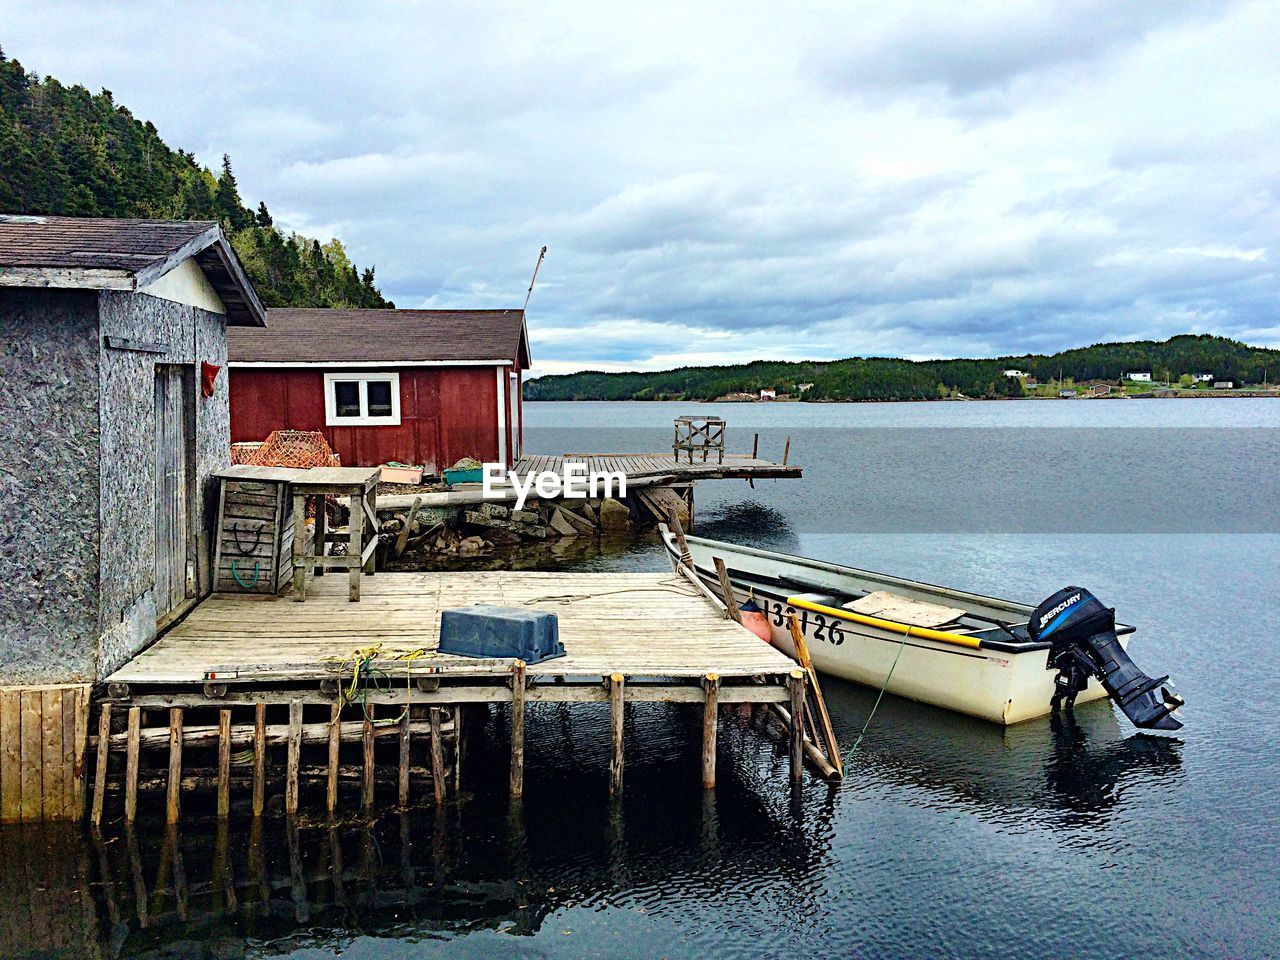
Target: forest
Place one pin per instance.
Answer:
(68, 152)
(883, 378)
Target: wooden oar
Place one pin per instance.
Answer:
(823, 718)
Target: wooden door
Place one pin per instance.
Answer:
(175, 422)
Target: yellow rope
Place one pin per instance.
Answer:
(365, 674)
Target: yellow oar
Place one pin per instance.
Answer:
(959, 639)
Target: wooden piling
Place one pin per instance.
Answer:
(100, 768)
(795, 686)
(367, 779)
(335, 741)
(259, 758)
(294, 760)
(786, 451)
(822, 724)
(300, 545)
(710, 716)
(616, 715)
(517, 728)
(173, 802)
(405, 744)
(755, 447)
(437, 758)
(726, 590)
(131, 765)
(224, 764)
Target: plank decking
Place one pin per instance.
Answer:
(638, 624)
(640, 465)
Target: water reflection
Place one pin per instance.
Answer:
(208, 889)
(1077, 764)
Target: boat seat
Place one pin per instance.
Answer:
(916, 613)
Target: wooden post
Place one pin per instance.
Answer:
(366, 787)
(786, 451)
(259, 758)
(457, 749)
(320, 535)
(410, 518)
(726, 590)
(173, 807)
(710, 715)
(335, 740)
(294, 758)
(100, 768)
(795, 684)
(755, 447)
(131, 764)
(355, 543)
(616, 689)
(370, 509)
(224, 764)
(517, 728)
(299, 546)
(685, 556)
(823, 723)
(405, 745)
(437, 758)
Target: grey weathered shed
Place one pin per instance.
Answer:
(107, 442)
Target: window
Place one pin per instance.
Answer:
(361, 399)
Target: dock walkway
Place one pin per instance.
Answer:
(638, 624)
(640, 466)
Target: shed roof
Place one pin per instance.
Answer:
(297, 336)
(99, 253)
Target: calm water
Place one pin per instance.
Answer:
(950, 837)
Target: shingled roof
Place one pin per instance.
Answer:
(295, 336)
(97, 253)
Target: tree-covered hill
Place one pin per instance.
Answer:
(879, 378)
(66, 151)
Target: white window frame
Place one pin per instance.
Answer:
(331, 417)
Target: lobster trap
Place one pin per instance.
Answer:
(254, 547)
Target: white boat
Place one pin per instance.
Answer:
(956, 650)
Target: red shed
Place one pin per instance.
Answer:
(424, 387)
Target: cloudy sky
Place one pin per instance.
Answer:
(725, 182)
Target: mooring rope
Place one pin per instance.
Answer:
(666, 586)
(880, 696)
(365, 675)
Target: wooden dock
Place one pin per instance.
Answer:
(644, 466)
(278, 677)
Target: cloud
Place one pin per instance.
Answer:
(734, 181)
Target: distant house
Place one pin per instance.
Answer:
(423, 387)
(767, 394)
(1202, 378)
(1100, 390)
(1066, 394)
(1138, 377)
(1015, 373)
(1224, 385)
(112, 338)
(803, 387)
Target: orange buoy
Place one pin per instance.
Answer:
(754, 619)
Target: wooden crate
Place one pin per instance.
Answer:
(254, 550)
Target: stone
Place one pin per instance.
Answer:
(560, 524)
(525, 516)
(495, 510)
(477, 519)
(472, 547)
(614, 516)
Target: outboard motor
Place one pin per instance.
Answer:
(1084, 644)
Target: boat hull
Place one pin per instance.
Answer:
(1000, 686)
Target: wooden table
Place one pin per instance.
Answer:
(359, 485)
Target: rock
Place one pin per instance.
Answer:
(614, 516)
(472, 547)
(495, 510)
(537, 533)
(561, 524)
(525, 516)
(477, 519)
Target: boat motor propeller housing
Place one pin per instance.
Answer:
(1082, 633)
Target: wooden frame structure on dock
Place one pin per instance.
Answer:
(238, 661)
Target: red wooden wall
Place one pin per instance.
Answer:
(446, 413)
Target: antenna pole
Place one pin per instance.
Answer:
(532, 280)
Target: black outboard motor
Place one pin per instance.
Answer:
(1083, 634)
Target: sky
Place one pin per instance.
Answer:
(724, 182)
